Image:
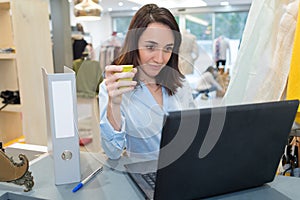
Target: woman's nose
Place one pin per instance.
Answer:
(159, 56)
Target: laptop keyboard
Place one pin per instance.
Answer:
(150, 178)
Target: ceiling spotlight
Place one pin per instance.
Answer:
(224, 3)
(134, 8)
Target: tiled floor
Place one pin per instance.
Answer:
(88, 123)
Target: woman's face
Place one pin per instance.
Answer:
(155, 49)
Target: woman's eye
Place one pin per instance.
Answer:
(169, 49)
(150, 47)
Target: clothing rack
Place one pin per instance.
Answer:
(107, 55)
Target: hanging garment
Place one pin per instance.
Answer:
(222, 51)
(78, 48)
(293, 86)
(188, 53)
(88, 78)
(263, 61)
(217, 53)
(109, 51)
(107, 55)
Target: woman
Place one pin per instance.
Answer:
(207, 83)
(131, 112)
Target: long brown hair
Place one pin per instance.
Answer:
(170, 76)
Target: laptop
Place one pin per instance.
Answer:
(213, 151)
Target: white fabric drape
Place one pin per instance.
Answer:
(263, 61)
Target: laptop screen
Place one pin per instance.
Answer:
(212, 151)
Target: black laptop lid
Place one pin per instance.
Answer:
(218, 150)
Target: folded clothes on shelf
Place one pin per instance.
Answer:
(7, 50)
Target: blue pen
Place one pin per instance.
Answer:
(87, 179)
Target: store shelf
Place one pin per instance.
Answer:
(7, 56)
(21, 70)
(4, 4)
(11, 107)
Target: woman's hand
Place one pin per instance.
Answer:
(115, 89)
(115, 86)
